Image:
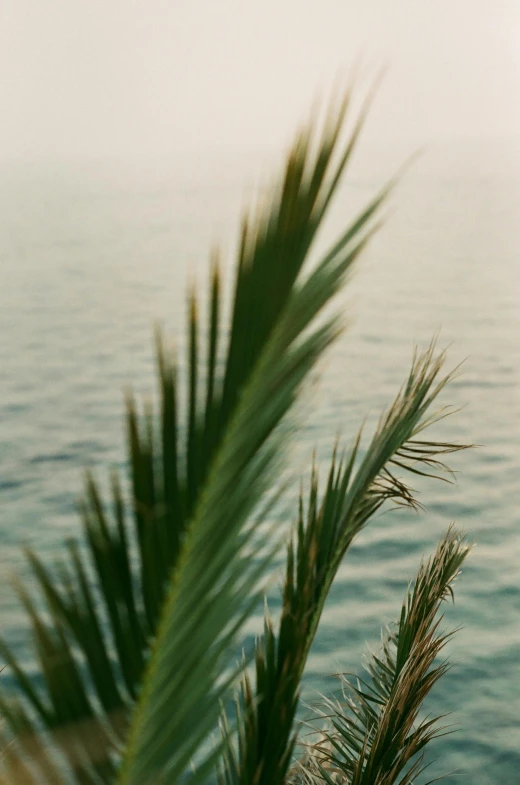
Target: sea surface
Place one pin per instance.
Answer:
(93, 255)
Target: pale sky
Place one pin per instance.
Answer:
(105, 77)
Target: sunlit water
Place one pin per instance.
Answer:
(90, 257)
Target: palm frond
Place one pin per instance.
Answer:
(355, 490)
(213, 588)
(195, 478)
(374, 735)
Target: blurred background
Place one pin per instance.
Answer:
(132, 135)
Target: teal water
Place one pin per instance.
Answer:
(92, 256)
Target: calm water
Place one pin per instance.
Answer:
(91, 257)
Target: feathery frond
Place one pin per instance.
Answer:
(374, 735)
(355, 490)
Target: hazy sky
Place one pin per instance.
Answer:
(96, 77)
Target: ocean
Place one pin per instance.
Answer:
(93, 255)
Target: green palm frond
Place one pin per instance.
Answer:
(161, 580)
(355, 490)
(212, 590)
(374, 734)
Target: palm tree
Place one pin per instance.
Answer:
(134, 627)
